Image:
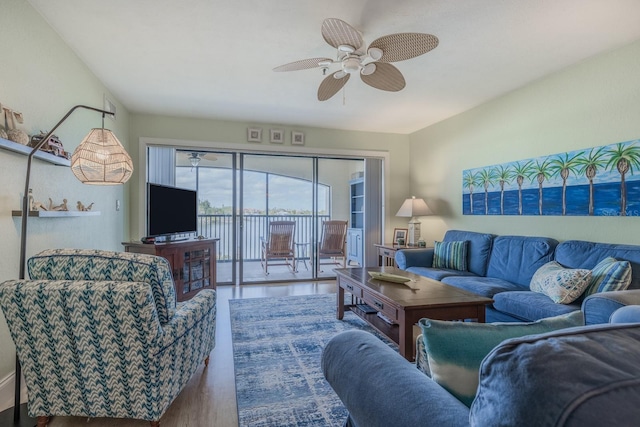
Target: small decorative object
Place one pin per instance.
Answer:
(39, 206)
(297, 138)
(13, 134)
(53, 145)
(254, 134)
(31, 202)
(422, 243)
(399, 235)
(276, 136)
(83, 208)
(61, 207)
(3, 133)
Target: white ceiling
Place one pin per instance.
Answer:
(214, 58)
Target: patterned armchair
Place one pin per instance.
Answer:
(98, 334)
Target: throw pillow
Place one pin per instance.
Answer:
(562, 285)
(451, 255)
(609, 275)
(456, 349)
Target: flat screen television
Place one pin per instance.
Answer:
(171, 210)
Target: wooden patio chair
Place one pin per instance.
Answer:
(332, 245)
(279, 245)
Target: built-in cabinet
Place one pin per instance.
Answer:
(193, 263)
(356, 226)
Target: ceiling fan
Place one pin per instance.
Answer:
(194, 157)
(372, 63)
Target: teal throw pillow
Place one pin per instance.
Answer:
(609, 275)
(451, 255)
(562, 285)
(455, 349)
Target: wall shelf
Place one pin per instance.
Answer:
(56, 214)
(42, 155)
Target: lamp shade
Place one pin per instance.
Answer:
(100, 159)
(414, 207)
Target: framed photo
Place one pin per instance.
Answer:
(400, 236)
(276, 136)
(254, 134)
(297, 138)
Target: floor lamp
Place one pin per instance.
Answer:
(100, 159)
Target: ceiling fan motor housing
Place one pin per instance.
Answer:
(351, 64)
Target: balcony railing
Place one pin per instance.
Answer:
(254, 227)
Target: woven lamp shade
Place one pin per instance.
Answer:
(100, 159)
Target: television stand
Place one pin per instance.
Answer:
(192, 261)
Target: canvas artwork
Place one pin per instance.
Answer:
(599, 181)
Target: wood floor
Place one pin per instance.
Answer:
(209, 399)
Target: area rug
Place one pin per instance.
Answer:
(277, 346)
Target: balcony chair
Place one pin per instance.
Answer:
(333, 243)
(279, 246)
(99, 334)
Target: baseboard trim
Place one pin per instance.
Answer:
(7, 390)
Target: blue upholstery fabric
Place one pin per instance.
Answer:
(530, 306)
(517, 258)
(91, 264)
(380, 388)
(437, 273)
(97, 348)
(414, 257)
(479, 248)
(587, 376)
(599, 307)
(628, 314)
(581, 254)
(485, 286)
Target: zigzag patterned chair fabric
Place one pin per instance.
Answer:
(99, 334)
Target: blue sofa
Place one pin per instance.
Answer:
(582, 376)
(501, 267)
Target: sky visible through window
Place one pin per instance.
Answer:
(286, 194)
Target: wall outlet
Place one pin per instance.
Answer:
(117, 205)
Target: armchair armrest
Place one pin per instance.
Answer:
(598, 307)
(200, 308)
(370, 378)
(406, 258)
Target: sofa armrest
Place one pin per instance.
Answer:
(599, 307)
(189, 314)
(406, 258)
(380, 388)
(626, 314)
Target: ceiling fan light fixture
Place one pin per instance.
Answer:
(194, 159)
(368, 69)
(351, 65)
(346, 48)
(339, 74)
(375, 53)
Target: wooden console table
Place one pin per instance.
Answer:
(193, 263)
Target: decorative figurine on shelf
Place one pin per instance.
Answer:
(53, 145)
(31, 203)
(39, 206)
(83, 208)
(62, 207)
(14, 134)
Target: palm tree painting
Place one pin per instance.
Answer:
(598, 181)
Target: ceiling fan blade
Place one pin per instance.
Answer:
(303, 64)
(337, 33)
(401, 46)
(385, 77)
(330, 85)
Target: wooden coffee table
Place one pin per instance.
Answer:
(405, 303)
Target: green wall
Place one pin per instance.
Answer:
(42, 78)
(596, 102)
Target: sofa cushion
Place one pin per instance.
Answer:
(609, 275)
(485, 286)
(581, 254)
(562, 285)
(575, 377)
(478, 251)
(530, 306)
(437, 273)
(455, 349)
(516, 258)
(450, 255)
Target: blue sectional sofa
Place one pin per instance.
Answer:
(580, 376)
(501, 267)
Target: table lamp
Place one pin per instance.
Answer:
(414, 208)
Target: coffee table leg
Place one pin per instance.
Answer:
(405, 337)
(340, 301)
